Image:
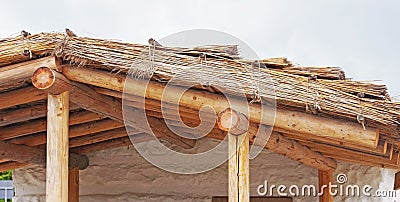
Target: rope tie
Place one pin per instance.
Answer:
(360, 117)
(313, 106)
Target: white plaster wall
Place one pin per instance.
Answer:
(121, 174)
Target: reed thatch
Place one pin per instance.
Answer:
(302, 88)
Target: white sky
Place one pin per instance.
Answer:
(360, 36)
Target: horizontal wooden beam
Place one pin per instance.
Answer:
(22, 153)
(381, 148)
(354, 156)
(21, 96)
(47, 79)
(27, 113)
(11, 165)
(34, 155)
(22, 72)
(40, 125)
(74, 131)
(285, 120)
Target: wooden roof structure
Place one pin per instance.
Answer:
(321, 115)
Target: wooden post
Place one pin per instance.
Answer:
(397, 181)
(324, 178)
(57, 148)
(73, 185)
(238, 150)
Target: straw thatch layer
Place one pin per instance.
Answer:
(319, 90)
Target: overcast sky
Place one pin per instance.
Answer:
(361, 36)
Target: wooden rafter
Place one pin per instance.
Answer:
(285, 120)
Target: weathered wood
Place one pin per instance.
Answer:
(74, 131)
(11, 165)
(285, 120)
(381, 148)
(51, 81)
(298, 152)
(35, 155)
(25, 114)
(45, 78)
(57, 148)
(325, 178)
(397, 181)
(22, 72)
(238, 151)
(238, 168)
(73, 185)
(113, 143)
(40, 125)
(21, 96)
(22, 153)
(351, 155)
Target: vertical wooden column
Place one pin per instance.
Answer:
(73, 185)
(57, 148)
(239, 171)
(238, 149)
(324, 177)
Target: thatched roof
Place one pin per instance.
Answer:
(294, 87)
(293, 84)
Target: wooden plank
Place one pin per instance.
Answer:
(73, 185)
(325, 178)
(57, 148)
(21, 96)
(285, 120)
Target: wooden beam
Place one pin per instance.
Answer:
(74, 131)
(73, 185)
(22, 72)
(21, 96)
(57, 148)
(325, 178)
(113, 143)
(381, 148)
(285, 120)
(47, 79)
(11, 165)
(8, 117)
(352, 156)
(40, 125)
(298, 152)
(22, 153)
(35, 155)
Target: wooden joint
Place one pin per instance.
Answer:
(233, 121)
